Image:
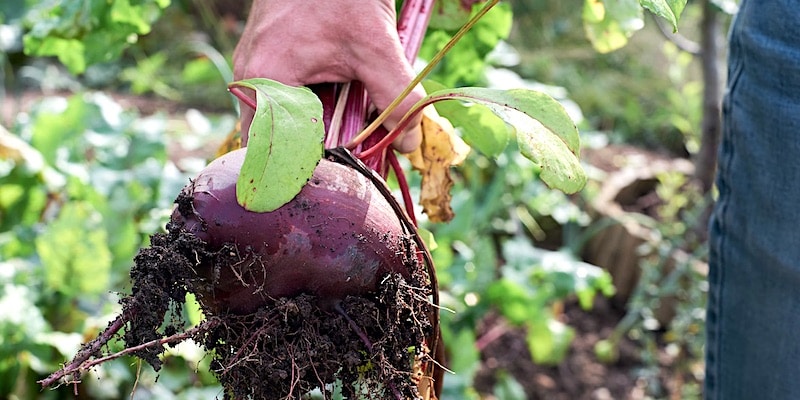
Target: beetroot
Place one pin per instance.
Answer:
(336, 238)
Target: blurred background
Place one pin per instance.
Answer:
(108, 108)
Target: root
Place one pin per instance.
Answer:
(83, 361)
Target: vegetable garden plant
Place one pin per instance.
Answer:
(309, 272)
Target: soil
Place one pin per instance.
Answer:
(580, 376)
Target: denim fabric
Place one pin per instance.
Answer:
(753, 320)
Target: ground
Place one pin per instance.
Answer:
(581, 376)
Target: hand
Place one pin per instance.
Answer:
(304, 42)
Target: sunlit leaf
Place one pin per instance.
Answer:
(609, 24)
(284, 145)
(477, 124)
(514, 300)
(545, 133)
(84, 32)
(670, 10)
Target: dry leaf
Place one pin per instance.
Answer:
(13, 148)
(423, 380)
(232, 142)
(441, 148)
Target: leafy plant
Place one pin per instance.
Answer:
(81, 33)
(82, 183)
(609, 24)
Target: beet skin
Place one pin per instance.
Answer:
(339, 236)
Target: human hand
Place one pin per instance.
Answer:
(304, 42)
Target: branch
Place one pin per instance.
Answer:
(682, 42)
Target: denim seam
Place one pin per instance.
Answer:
(725, 160)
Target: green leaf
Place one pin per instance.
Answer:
(478, 125)
(60, 125)
(192, 308)
(545, 132)
(515, 301)
(284, 145)
(670, 10)
(549, 340)
(74, 251)
(427, 238)
(609, 24)
(507, 387)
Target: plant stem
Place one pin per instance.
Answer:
(428, 68)
(355, 112)
(412, 24)
(237, 91)
(403, 184)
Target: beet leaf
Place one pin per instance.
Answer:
(284, 145)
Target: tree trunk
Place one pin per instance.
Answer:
(706, 158)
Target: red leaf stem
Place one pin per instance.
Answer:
(355, 112)
(402, 182)
(412, 24)
(237, 91)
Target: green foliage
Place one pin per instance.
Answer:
(531, 281)
(465, 63)
(144, 77)
(82, 184)
(284, 146)
(667, 307)
(609, 24)
(85, 32)
(500, 206)
(73, 249)
(646, 94)
(670, 10)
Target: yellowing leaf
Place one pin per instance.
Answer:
(441, 148)
(232, 142)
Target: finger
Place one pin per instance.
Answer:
(385, 78)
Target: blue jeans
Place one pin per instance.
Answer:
(753, 319)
